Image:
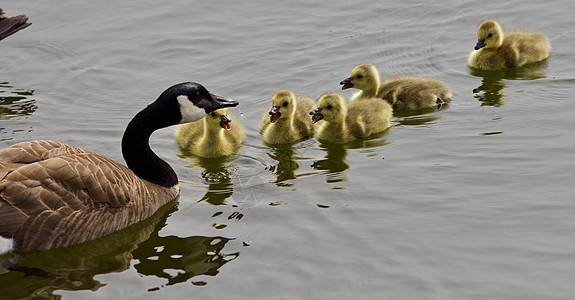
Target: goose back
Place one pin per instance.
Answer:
(53, 195)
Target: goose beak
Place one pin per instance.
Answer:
(347, 83)
(275, 113)
(225, 122)
(316, 115)
(480, 44)
(221, 102)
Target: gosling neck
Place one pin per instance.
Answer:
(136, 148)
(371, 90)
(212, 133)
(285, 124)
(337, 125)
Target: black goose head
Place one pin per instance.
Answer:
(193, 101)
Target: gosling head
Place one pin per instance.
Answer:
(219, 118)
(363, 77)
(283, 102)
(489, 35)
(330, 107)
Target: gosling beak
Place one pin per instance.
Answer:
(347, 83)
(225, 122)
(275, 113)
(480, 44)
(316, 115)
(221, 102)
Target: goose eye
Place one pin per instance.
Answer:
(329, 107)
(490, 35)
(213, 114)
(285, 104)
(360, 76)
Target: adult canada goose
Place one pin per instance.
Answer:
(212, 137)
(287, 122)
(497, 50)
(356, 120)
(10, 25)
(402, 92)
(53, 195)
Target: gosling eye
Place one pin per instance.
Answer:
(490, 35)
(359, 76)
(285, 104)
(329, 106)
(213, 114)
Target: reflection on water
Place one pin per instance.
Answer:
(179, 259)
(14, 103)
(490, 92)
(227, 184)
(333, 163)
(73, 268)
(287, 164)
(218, 174)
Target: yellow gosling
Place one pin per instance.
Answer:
(347, 122)
(498, 50)
(402, 92)
(287, 122)
(212, 137)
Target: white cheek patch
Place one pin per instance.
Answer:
(190, 112)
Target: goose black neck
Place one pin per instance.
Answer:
(136, 148)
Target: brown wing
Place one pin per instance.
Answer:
(53, 188)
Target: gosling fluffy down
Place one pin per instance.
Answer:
(288, 121)
(496, 49)
(343, 122)
(214, 136)
(402, 92)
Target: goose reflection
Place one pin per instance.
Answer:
(490, 92)
(74, 268)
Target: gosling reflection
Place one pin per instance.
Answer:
(219, 178)
(421, 117)
(39, 275)
(490, 92)
(334, 162)
(287, 166)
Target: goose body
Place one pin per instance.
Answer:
(402, 92)
(288, 121)
(53, 195)
(214, 136)
(496, 49)
(347, 122)
(10, 25)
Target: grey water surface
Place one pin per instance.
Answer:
(473, 201)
